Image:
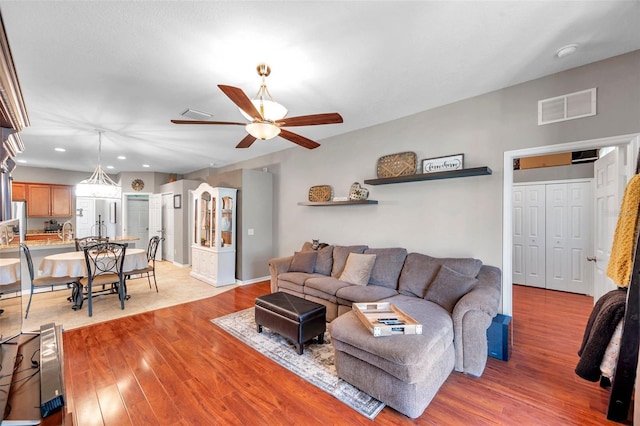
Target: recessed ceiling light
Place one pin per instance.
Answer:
(60, 149)
(566, 50)
(22, 161)
(121, 157)
(109, 167)
(146, 165)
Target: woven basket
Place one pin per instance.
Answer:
(401, 164)
(320, 193)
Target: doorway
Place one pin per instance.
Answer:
(628, 144)
(167, 226)
(137, 224)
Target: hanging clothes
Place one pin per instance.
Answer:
(624, 238)
(605, 316)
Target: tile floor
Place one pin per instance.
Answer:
(174, 284)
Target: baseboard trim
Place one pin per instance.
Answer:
(253, 280)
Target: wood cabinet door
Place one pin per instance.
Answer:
(38, 200)
(18, 191)
(41, 237)
(61, 201)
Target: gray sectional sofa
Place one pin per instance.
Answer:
(454, 299)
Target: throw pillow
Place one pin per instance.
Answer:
(448, 287)
(420, 270)
(358, 268)
(324, 261)
(340, 254)
(303, 261)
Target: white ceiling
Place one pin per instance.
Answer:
(128, 68)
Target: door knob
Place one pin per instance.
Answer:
(591, 259)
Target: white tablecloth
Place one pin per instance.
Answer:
(9, 271)
(72, 264)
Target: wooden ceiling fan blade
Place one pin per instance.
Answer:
(246, 142)
(311, 120)
(206, 122)
(243, 102)
(297, 139)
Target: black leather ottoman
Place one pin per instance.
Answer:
(297, 319)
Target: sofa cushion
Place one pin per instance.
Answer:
(303, 261)
(402, 356)
(298, 278)
(340, 254)
(448, 287)
(420, 269)
(358, 268)
(327, 285)
(288, 285)
(388, 266)
(369, 293)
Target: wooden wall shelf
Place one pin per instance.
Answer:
(450, 174)
(337, 203)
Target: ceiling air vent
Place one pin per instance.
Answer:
(567, 107)
(195, 114)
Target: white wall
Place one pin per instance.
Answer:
(456, 217)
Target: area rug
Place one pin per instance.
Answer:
(315, 365)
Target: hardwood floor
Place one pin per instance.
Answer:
(173, 366)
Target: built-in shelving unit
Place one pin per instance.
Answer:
(450, 174)
(337, 203)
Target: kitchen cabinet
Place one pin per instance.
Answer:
(41, 237)
(61, 201)
(48, 200)
(18, 191)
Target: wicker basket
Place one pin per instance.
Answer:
(357, 192)
(401, 164)
(320, 193)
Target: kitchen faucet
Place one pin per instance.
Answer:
(63, 234)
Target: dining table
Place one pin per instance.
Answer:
(73, 264)
(9, 272)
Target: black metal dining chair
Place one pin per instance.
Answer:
(150, 269)
(81, 243)
(47, 281)
(104, 267)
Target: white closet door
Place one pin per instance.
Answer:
(519, 240)
(557, 239)
(535, 235)
(568, 236)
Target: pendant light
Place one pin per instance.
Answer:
(99, 185)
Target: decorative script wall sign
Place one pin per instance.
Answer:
(443, 164)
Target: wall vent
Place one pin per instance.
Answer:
(567, 107)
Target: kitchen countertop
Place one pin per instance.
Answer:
(58, 243)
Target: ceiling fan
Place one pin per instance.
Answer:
(267, 116)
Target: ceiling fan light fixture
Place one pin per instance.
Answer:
(263, 130)
(99, 185)
(264, 103)
(270, 110)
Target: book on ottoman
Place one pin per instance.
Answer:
(384, 319)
